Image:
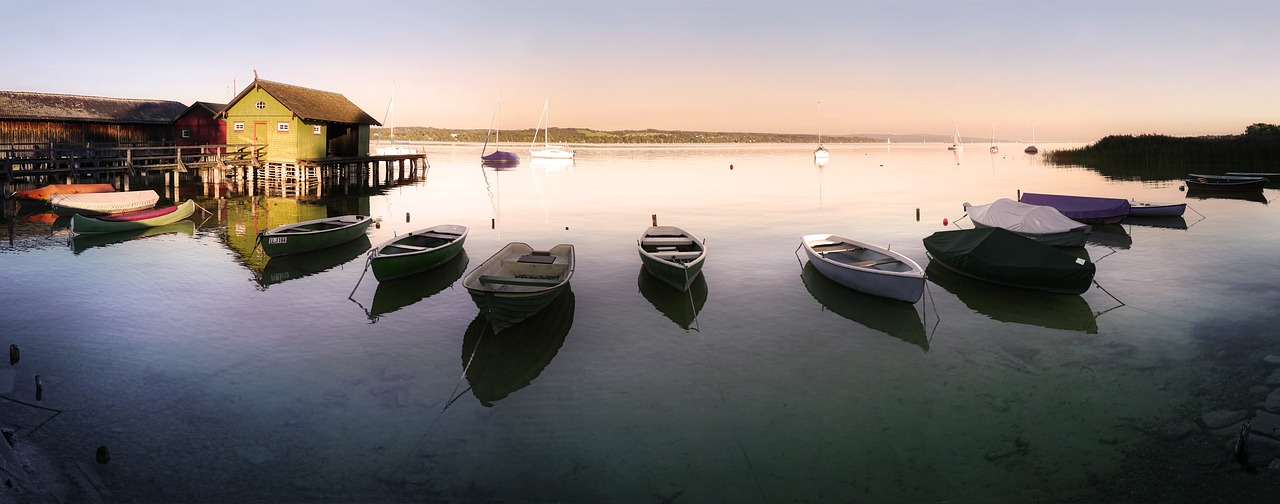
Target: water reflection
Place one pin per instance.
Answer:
(289, 267)
(1167, 222)
(681, 307)
(888, 316)
(1020, 306)
(1109, 235)
(395, 294)
(498, 364)
(81, 243)
(1254, 196)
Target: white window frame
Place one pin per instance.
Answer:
(316, 130)
(282, 127)
(260, 105)
(239, 126)
(186, 133)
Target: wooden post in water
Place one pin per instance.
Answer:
(654, 218)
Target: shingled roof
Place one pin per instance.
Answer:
(312, 104)
(22, 105)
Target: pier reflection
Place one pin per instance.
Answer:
(892, 317)
(289, 267)
(497, 365)
(395, 294)
(681, 307)
(1066, 312)
(81, 243)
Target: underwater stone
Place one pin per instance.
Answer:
(1265, 424)
(1223, 418)
(1272, 403)
(1178, 430)
(1273, 359)
(1274, 379)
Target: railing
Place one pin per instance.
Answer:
(37, 159)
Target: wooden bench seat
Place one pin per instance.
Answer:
(442, 236)
(665, 241)
(505, 280)
(675, 256)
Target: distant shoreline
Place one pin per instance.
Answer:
(583, 136)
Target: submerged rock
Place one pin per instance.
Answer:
(1272, 403)
(1223, 418)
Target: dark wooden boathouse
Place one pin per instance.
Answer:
(27, 117)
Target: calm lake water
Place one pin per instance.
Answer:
(215, 375)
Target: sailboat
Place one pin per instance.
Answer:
(994, 149)
(955, 141)
(548, 151)
(389, 119)
(497, 156)
(820, 154)
(1031, 149)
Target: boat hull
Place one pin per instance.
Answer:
(672, 255)
(1086, 209)
(41, 195)
(904, 282)
(518, 281)
(1238, 184)
(81, 224)
(501, 157)
(1157, 209)
(1003, 257)
(416, 252)
(312, 235)
(551, 153)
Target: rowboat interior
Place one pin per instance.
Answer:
(315, 226)
(418, 242)
(859, 257)
(678, 249)
(529, 272)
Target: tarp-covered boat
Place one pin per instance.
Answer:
(103, 203)
(1003, 257)
(1044, 224)
(1086, 209)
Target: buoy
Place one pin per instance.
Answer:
(730, 167)
(39, 389)
(944, 221)
(13, 354)
(103, 455)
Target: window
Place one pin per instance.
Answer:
(282, 127)
(238, 126)
(186, 133)
(315, 130)
(260, 105)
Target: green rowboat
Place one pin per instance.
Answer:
(416, 252)
(311, 235)
(1000, 256)
(518, 281)
(672, 254)
(82, 225)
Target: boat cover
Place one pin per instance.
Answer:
(1004, 257)
(107, 202)
(1023, 218)
(1080, 207)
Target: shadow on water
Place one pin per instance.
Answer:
(81, 243)
(1254, 196)
(498, 364)
(681, 307)
(289, 267)
(1067, 312)
(1109, 235)
(395, 294)
(895, 318)
(1167, 222)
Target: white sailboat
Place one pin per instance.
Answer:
(820, 154)
(548, 150)
(955, 141)
(994, 149)
(393, 149)
(1031, 149)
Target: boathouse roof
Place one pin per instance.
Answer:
(310, 104)
(23, 105)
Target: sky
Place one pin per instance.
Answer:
(1069, 70)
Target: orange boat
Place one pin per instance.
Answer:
(42, 194)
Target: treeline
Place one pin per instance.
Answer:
(1161, 157)
(589, 136)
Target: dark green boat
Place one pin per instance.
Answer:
(672, 254)
(1003, 257)
(311, 235)
(416, 252)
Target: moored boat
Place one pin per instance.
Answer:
(416, 252)
(1229, 183)
(1142, 209)
(81, 224)
(518, 281)
(103, 203)
(672, 254)
(864, 267)
(314, 234)
(1086, 209)
(1003, 257)
(1041, 223)
(41, 195)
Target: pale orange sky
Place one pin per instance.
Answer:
(1078, 70)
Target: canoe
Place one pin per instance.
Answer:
(864, 267)
(1003, 257)
(81, 224)
(416, 252)
(518, 281)
(41, 195)
(885, 315)
(1139, 209)
(1041, 223)
(499, 364)
(672, 254)
(314, 234)
(103, 203)
(1225, 183)
(1086, 209)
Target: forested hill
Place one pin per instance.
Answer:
(588, 136)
